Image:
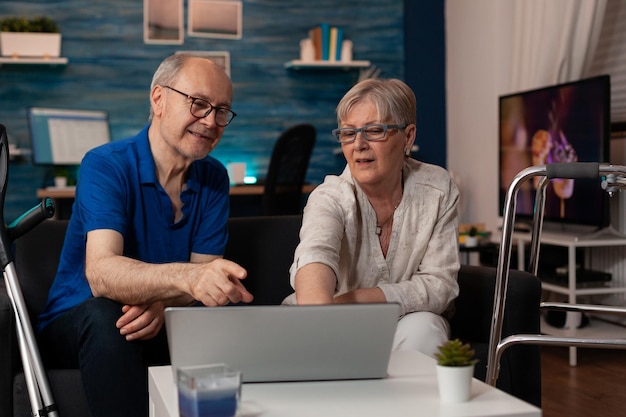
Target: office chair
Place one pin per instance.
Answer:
(614, 179)
(287, 170)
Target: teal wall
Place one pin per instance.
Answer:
(110, 68)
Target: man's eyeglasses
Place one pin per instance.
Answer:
(371, 132)
(201, 108)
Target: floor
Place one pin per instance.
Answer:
(595, 387)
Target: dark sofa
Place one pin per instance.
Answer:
(264, 246)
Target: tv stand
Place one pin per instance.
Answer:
(607, 237)
(608, 232)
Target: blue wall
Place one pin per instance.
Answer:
(110, 68)
(425, 56)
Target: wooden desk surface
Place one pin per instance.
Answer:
(56, 192)
(68, 192)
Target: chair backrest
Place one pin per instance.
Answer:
(287, 171)
(265, 247)
(37, 256)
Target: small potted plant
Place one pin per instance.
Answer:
(21, 37)
(455, 369)
(471, 240)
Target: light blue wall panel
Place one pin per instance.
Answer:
(110, 68)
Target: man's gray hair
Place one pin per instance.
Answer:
(168, 70)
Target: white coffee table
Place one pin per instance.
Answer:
(410, 390)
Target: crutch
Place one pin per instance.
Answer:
(40, 395)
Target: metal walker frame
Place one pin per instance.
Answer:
(613, 179)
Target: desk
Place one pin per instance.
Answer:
(64, 197)
(69, 192)
(480, 250)
(410, 390)
(56, 192)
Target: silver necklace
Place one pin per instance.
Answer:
(379, 227)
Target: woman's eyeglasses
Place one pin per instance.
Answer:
(371, 132)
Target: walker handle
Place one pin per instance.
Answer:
(576, 170)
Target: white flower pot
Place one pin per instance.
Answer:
(28, 44)
(471, 241)
(455, 383)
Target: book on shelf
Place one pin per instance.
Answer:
(316, 36)
(332, 44)
(327, 41)
(338, 44)
(336, 41)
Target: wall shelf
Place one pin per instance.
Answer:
(33, 60)
(298, 64)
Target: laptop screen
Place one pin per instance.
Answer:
(63, 136)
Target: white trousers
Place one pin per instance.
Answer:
(422, 331)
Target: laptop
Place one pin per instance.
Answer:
(286, 343)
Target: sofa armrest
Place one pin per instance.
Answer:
(520, 373)
(8, 352)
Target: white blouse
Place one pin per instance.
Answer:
(420, 271)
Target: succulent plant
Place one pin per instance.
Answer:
(455, 353)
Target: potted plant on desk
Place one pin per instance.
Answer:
(23, 38)
(471, 240)
(455, 369)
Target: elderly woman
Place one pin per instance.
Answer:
(386, 229)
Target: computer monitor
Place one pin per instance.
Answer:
(63, 136)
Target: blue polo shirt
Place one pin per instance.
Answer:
(118, 189)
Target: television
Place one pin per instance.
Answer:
(568, 122)
(63, 136)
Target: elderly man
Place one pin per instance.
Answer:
(148, 230)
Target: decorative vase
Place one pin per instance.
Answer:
(346, 51)
(455, 383)
(29, 44)
(307, 50)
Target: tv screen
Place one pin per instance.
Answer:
(63, 136)
(568, 122)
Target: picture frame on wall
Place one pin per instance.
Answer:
(215, 19)
(221, 58)
(163, 22)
